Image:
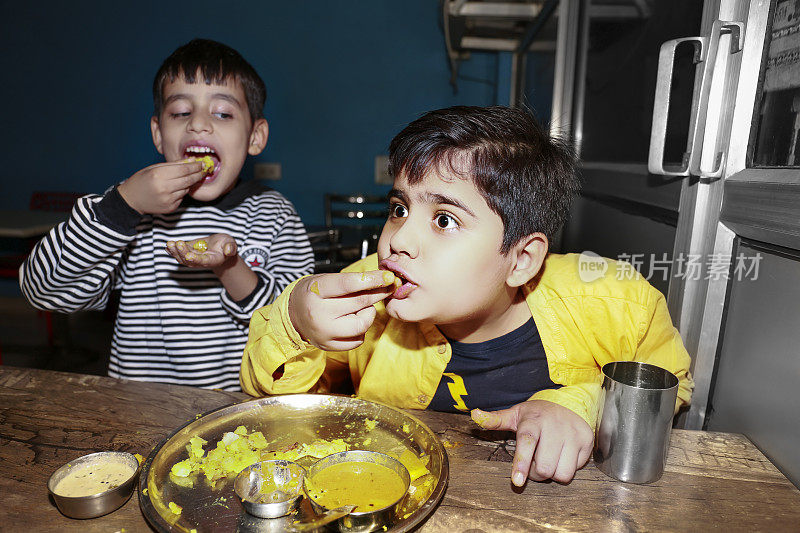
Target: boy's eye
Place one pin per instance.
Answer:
(222, 115)
(445, 221)
(398, 211)
(181, 114)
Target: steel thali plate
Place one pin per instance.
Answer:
(284, 421)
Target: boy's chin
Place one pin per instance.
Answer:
(207, 191)
(400, 310)
(204, 194)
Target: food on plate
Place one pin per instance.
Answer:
(239, 449)
(414, 464)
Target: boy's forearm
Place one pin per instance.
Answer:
(237, 278)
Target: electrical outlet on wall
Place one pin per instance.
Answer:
(382, 176)
(267, 171)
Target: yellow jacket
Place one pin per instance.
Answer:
(583, 325)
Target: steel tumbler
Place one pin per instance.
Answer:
(634, 420)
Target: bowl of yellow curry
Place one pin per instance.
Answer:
(372, 481)
(94, 484)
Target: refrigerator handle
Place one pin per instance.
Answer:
(658, 132)
(696, 165)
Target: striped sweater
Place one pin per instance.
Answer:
(174, 324)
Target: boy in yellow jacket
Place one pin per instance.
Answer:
(462, 308)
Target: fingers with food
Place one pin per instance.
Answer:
(160, 188)
(334, 311)
(217, 250)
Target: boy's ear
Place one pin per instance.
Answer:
(527, 258)
(258, 137)
(155, 129)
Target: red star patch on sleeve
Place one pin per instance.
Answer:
(255, 257)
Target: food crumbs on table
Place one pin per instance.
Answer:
(370, 423)
(220, 501)
(406, 428)
(175, 508)
(139, 458)
(367, 441)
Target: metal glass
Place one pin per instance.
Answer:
(636, 407)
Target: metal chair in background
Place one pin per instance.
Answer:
(353, 223)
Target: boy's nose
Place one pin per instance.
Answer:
(405, 238)
(200, 123)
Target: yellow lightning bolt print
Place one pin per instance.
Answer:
(457, 390)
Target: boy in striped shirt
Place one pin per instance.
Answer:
(234, 245)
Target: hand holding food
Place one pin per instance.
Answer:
(211, 252)
(552, 441)
(208, 164)
(160, 188)
(334, 311)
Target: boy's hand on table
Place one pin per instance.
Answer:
(552, 441)
(160, 188)
(212, 252)
(334, 311)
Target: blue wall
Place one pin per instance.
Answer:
(342, 79)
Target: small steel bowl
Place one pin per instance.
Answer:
(270, 489)
(361, 521)
(99, 503)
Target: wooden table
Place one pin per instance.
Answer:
(714, 481)
(23, 224)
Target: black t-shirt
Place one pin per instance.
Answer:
(495, 374)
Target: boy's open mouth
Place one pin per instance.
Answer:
(197, 151)
(402, 286)
(403, 290)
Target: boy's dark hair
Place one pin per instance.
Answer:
(216, 63)
(526, 176)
